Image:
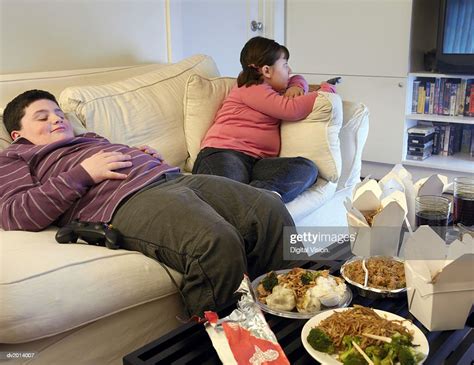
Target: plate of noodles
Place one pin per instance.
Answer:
(300, 293)
(386, 277)
(339, 334)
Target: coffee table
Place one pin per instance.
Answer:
(190, 344)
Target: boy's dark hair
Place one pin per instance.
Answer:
(15, 109)
(258, 52)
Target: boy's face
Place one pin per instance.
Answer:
(43, 123)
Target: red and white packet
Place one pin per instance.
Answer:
(244, 337)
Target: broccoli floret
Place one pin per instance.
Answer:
(390, 357)
(409, 356)
(347, 341)
(307, 278)
(354, 358)
(400, 340)
(319, 340)
(406, 356)
(376, 353)
(350, 354)
(270, 281)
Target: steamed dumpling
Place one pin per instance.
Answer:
(281, 298)
(329, 291)
(309, 303)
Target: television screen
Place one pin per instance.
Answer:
(459, 27)
(455, 46)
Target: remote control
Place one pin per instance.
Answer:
(334, 81)
(100, 234)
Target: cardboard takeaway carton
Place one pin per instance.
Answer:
(383, 235)
(440, 279)
(399, 178)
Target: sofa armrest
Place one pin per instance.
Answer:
(352, 136)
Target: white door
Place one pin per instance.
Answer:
(221, 28)
(367, 42)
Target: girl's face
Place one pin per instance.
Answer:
(278, 74)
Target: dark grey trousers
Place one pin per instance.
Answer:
(209, 228)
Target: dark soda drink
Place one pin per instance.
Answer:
(464, 210)
(427, 218)
(438, 221)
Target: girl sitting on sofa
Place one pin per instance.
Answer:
(244, 141)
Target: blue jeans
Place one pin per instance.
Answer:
(288, 176)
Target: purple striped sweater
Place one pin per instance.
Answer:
(41, 185)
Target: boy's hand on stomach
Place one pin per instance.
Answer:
(101, 166)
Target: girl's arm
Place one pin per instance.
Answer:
(267, 101)
(298, 81)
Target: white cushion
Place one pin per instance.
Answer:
(145, 109)
(5, 139)
(353, 134)
(47, 288)
(203, 98)
(317, 136)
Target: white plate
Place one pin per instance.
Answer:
(418, 336)
(345, 301)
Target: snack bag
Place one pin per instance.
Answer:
(244, 336)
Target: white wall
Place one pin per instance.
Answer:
(44, 35)
(214, 27)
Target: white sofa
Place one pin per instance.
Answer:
(81, 304)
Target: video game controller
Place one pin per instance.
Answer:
(334, 81)
(100, 234)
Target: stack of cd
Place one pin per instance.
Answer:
(420, 142)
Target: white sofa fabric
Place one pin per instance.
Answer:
(52, 295)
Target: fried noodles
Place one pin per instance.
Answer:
(384, 273)
(359, 320)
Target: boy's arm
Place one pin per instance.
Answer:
(26, 204)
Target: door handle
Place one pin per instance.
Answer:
(254, 25)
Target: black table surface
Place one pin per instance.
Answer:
(190, 344)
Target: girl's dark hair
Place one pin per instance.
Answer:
(258, 52)
(15, 109)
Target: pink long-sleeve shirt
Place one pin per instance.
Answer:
(249, 119)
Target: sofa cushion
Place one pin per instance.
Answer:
(47, 288)
(311, 199)
(144, 109)
(353, 134)
(202, 100)
(317, 136)
(5, 138)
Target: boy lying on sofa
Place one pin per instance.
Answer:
(209, 228)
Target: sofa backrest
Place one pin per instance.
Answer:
(55, 82)
(145, 109)
(155, 117)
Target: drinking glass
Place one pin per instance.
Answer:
(464, 200)
(434, 211)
